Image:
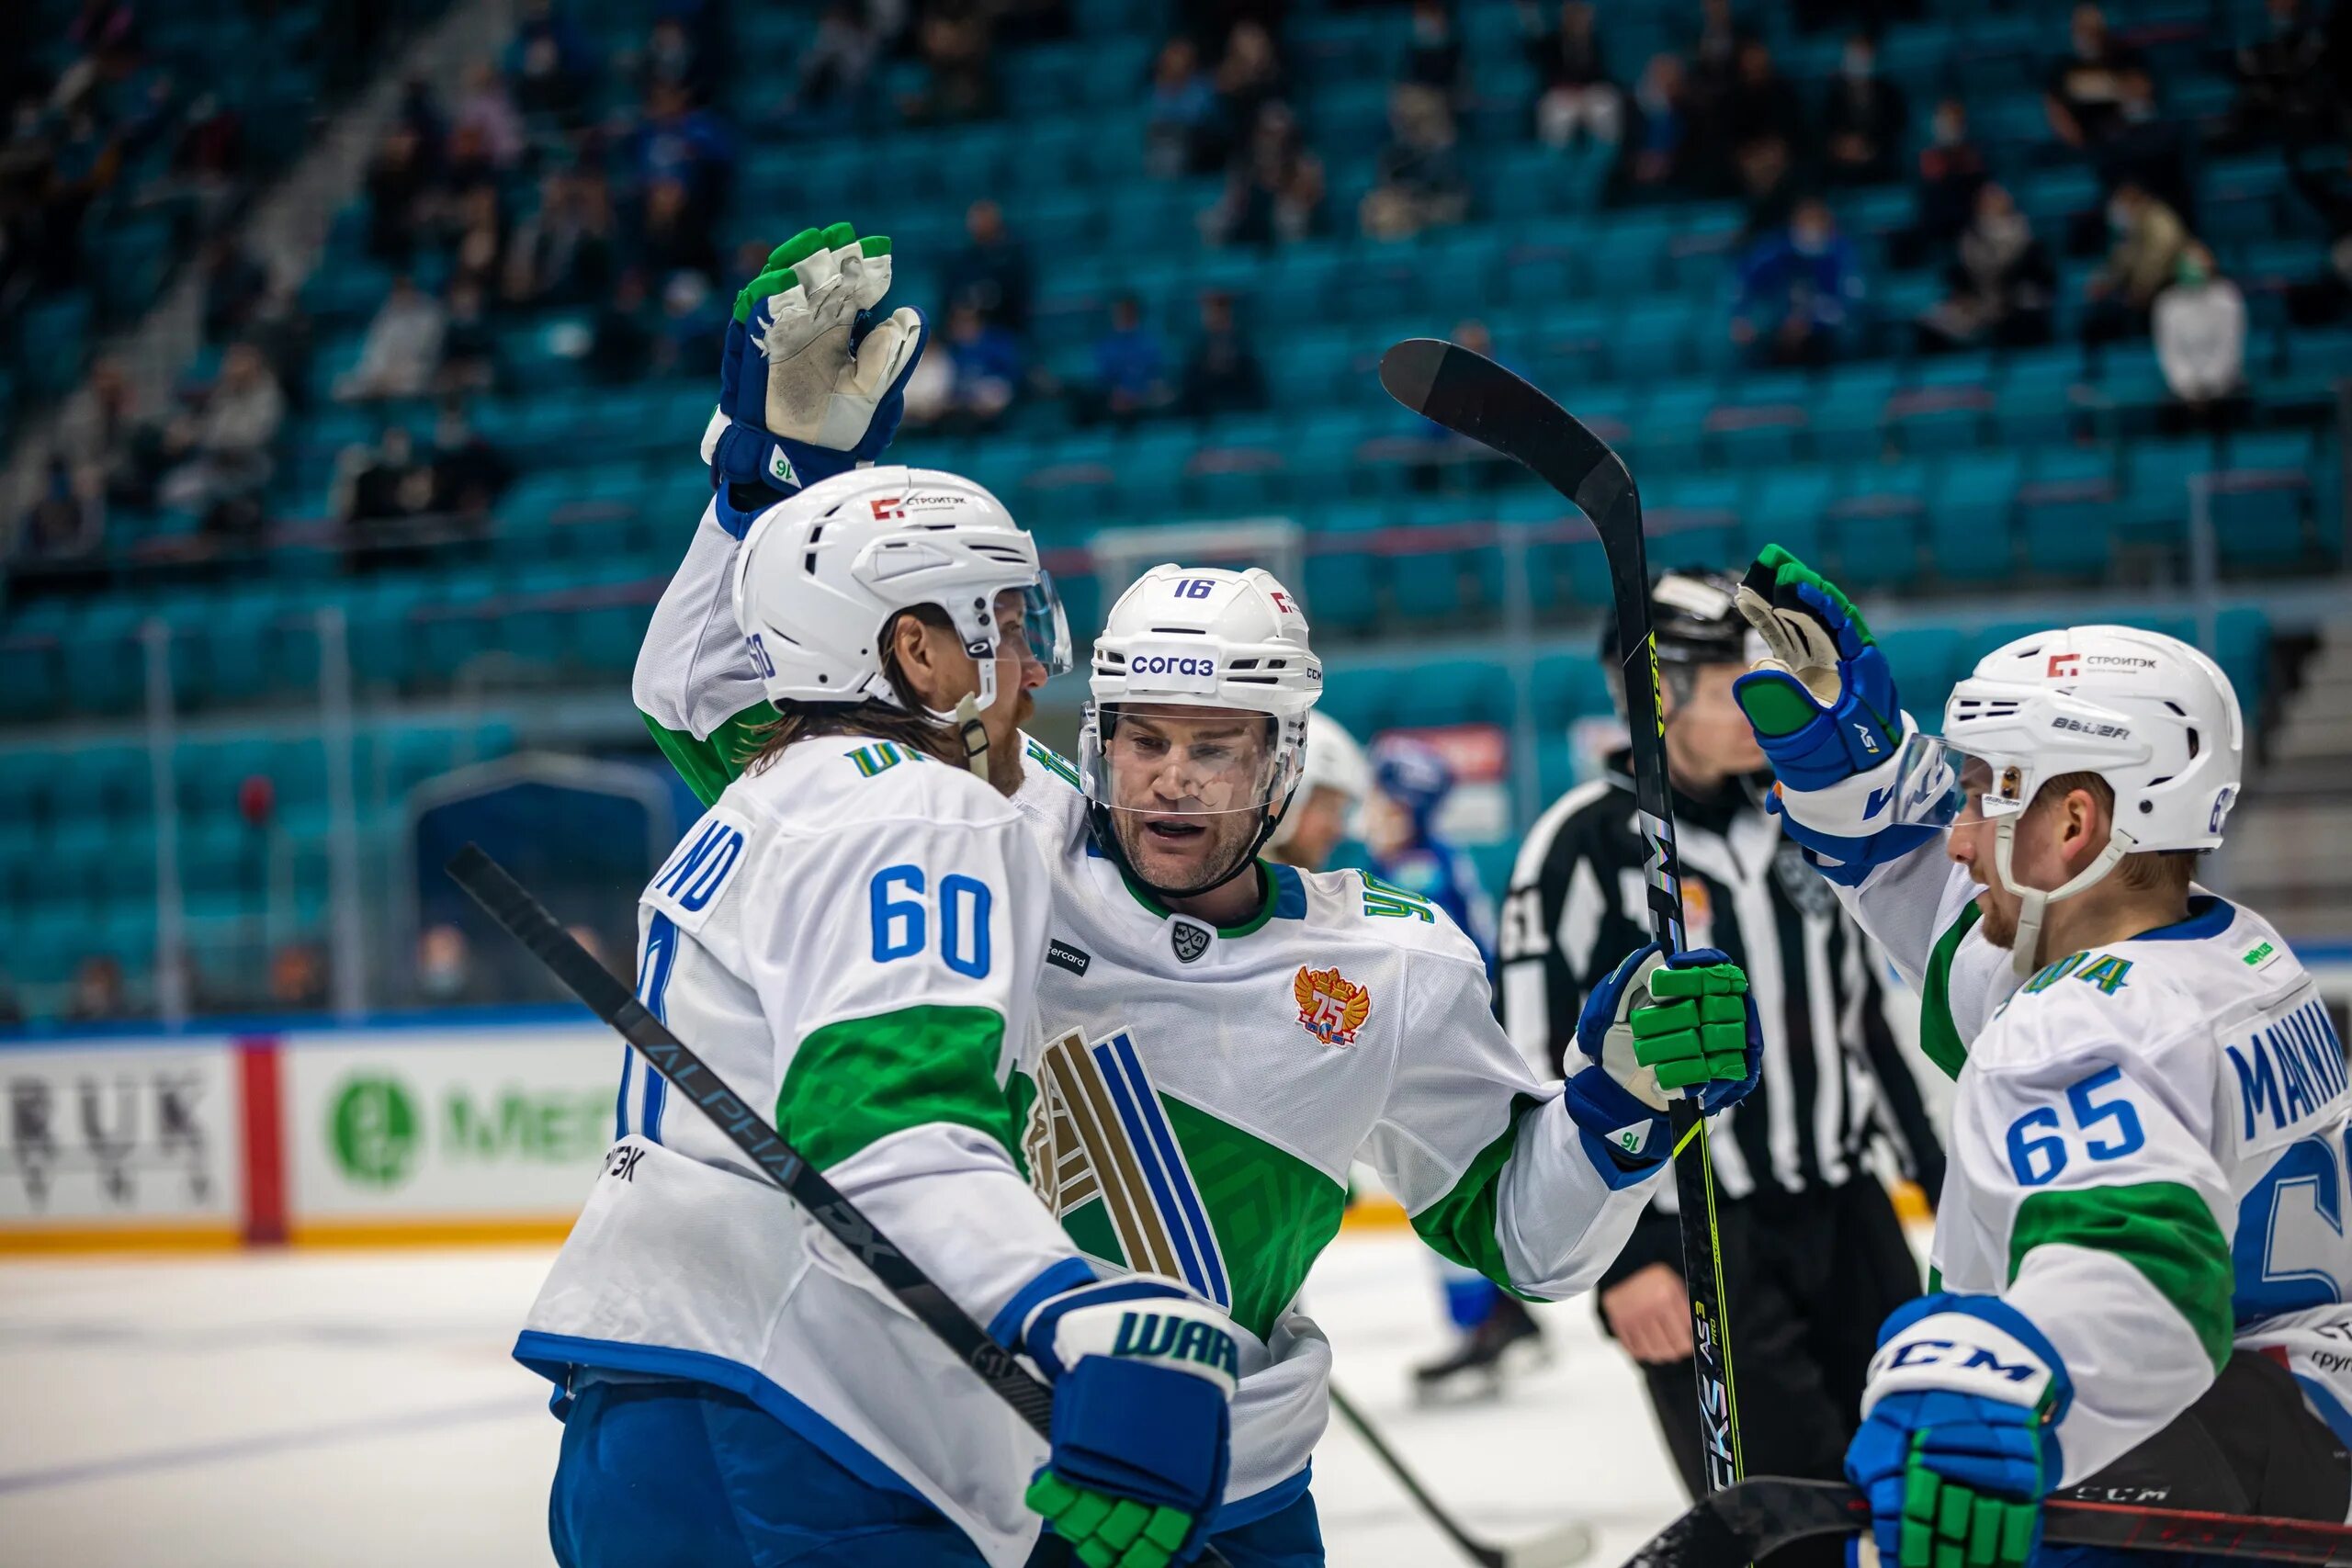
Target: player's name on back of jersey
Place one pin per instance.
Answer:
(2288, 1071)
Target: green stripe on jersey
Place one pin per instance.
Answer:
(1459, 1227)
(854, 1082)
(2161, 1229)
(710, 766)
(1272, 1213)
(1938, 1036)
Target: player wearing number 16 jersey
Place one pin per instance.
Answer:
(2141, 1240)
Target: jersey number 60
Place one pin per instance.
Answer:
(902, 920)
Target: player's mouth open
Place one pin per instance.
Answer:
(1172, 829)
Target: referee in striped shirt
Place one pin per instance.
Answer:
(1814, 1256)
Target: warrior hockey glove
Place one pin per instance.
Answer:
(811, 383)
(1823, 706)
(1956, 1450)
(1654, 1028)
(1143, 1373)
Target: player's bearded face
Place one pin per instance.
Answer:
(1188, 790)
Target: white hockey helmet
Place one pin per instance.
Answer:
(2147, 712)
(1205, 637)
(1333, 760)
(821, 572)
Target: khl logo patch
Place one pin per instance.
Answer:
(1190, 940)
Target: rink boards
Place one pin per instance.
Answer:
(482, 1128)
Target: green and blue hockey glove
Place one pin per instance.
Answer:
(811, 381)
(1143, 1374)
(1654, 1029)
(1957, 1447)
(1824, 708)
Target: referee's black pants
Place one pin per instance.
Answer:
(1808, 1277)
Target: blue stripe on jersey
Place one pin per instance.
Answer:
(654, 986)
(1290, 891)
(1163, 1166)
(2208, 917)
(620, 1101)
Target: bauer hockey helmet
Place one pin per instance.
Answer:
(1333, 761)
(2147, 712)
(822, 573)
(1204, 637)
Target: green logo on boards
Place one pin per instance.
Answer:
(372, 1128)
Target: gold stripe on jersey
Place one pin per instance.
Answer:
(1075, 1132)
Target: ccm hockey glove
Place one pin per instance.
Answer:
(811, 382)
(1143, 1373)
(1654, 1028)
(1956, 1450)
(1823, 706)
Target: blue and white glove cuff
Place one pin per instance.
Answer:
(1141, 1319)
(1852, 807)
(1973, 1345)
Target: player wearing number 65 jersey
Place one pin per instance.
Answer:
(2140, 1239)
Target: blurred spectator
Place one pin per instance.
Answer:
(445, 976)
(1763, 125)
(469, 343)
(398, 181)
(1714, 48)
(991, 272)
(692, 320)
(1951, 171)
(2149, 238)
(2001, 280)
(467, 471)
(1181, 114)
(956, 39)
(1656, 156)
(1433, 53)
(402, 348)
(64, 522)
(2282, 85)
(98, 994)
(487, 111)
(478, 247)
(549, 67)
(2200, 327)
(620, 345)
(2327, 296)
(1863, 120)
(228, 449)
(675, 58)
(233, 284)
(1423, 184)
(1798, 290)
(2145, 147)
(1574, 95)
(2085, 89)
(1222, 375)
(673, 241)
(284, 333)
(1249, 76)
(967, 383)
(678, 142)
(563, 254)
(297, 977)
(105, 434)
(208, 154)
(835, 65)
(386, 484)
(1274, 193)
(1130, 366)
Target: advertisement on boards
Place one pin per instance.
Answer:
(138, 1142)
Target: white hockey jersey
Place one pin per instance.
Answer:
(2148, 1155)
(1197, 1096)
(851, 935)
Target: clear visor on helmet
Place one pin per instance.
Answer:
(1164, 762)
(1030, 625)
(1937, 785)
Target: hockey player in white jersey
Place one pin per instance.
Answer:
(852, 935)
(2143, 1265)
(1218, 1037)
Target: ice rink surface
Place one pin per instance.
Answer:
(358, 1410)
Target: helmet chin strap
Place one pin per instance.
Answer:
(964, 720)
(2034, 902)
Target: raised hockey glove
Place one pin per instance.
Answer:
(1654, 1029)
(811, 382)
(1822, 703)
(1143, 1373)
(1957, 1450)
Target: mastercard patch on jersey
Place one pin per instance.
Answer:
(690, 882)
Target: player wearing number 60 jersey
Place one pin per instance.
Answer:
(2140, 1241)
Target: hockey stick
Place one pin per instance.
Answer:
(1473, 396)
(526, 920)
(1555, 1548)
(1734, 1526)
